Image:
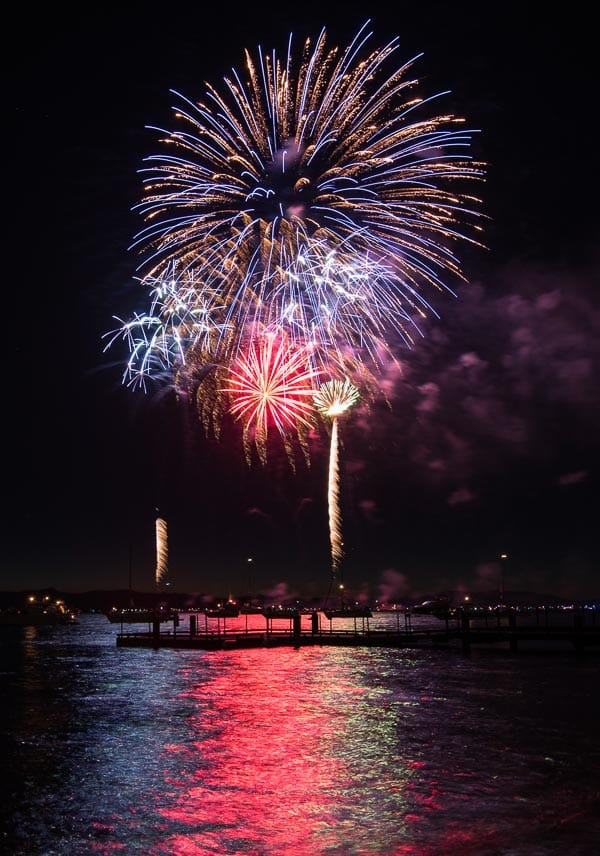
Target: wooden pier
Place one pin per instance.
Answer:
(515, 633)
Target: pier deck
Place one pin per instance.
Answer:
(576, 637)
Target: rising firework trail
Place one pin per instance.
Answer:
(313, 195)
(162, 553)
(334, 398)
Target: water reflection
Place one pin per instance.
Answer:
(286, 755)
(268, 752)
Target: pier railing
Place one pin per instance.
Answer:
(576, 630)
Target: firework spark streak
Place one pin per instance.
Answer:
(310, 196)
(162, 552)
(332, 400)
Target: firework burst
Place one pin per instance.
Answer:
(310, 197)
(272, 385)
(335, 397)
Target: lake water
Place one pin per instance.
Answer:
(310, 751)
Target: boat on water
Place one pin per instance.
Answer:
(348, 612)
(227, 610)
(280, 612)
(345, 607)
(39, 611)
(249, 608)
(134, 615)
(438, 606)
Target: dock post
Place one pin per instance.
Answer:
(156, 634)
(296, 623)
(192, 625)
(314, 622)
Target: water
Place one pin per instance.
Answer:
(345, 751)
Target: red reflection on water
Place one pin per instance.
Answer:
(271, 766)
(268, 766)
(296, 752)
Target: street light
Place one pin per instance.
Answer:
(503, 561)
(249, 564)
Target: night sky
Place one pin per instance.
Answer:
(491, 443)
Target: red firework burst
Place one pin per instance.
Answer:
(272, 385)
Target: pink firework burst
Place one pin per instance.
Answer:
(272, 385)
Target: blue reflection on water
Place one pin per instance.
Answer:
(310, 751)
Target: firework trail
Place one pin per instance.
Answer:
(162, 553)
(334, 398)
(310, 196)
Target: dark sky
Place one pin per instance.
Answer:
(492, 443)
